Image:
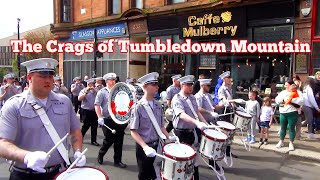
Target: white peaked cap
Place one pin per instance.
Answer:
(225, 74)
(149, 78)
(186, 79)
(204, 81)
(109, 76)
(42, 65)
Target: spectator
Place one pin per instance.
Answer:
(310, 105)
(297, 81)
(216, 89)
(288, 115)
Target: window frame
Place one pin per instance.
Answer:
(170, 2)
(110, 7)
(133, 4)
(314, 20)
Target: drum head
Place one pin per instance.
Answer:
(226, 125)
(215, 135)
(120, 101)
(243, 114)
(180, 152)
(83, 173)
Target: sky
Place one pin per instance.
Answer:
(33, 14)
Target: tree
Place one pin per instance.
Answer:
(42, 37)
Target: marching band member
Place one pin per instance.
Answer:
(25, 139)
(87, 97)
(8, 90)
(143, 131)
(187, 116)
(101, 107)
(99, 84)
(76, 87)
(172, 90)
(59, 87)
(206, 107)
(225, 94)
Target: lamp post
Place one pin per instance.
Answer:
(18, 56)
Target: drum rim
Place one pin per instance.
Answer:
(242, 115)
(212, 138)
(179, 158)
(106, 175)
(227, 129)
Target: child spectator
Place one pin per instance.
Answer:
(266, 119)
(293, 94)
(253, 108)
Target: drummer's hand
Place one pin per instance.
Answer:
(214, 115)
(101, 121)
(201, 125)
(36, 160)
(174, 138)
(82, 161)
(149, 151)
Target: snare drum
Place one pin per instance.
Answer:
(242, 120)
(228, 128)
(82, 173)
(213, 144)
(183, 169)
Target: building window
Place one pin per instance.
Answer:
(137, 4)
(175, 1)
(114, 7)
(316, 55)
(317, 25)
(65, 11)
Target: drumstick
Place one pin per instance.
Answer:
(75, 161)
(164, 157)
(112, 130)
(225, 114)
(55, 146)
(178, 143)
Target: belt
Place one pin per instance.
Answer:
(153, 143)
(30, 171)
(184, 130)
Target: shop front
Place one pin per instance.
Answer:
(255, 23)
(84, 65)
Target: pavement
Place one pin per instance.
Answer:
(304, 148)
(251, 165)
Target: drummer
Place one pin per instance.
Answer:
(172, 90)
(206, 107)
(99, 84)
(225, 94)
(187, 116)
(147, 139)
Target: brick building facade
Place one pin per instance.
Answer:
(146, 20)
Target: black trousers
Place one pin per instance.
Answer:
(76, 104)
(110, 139)
(90, 119)
(145, 164)
(169, 127)
(188, 138)
(16, 175)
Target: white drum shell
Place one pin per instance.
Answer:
(212, 149)
(229, 132)
(241, 122)
(180, 170)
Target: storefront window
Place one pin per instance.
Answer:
(316, 55)
(317, 28)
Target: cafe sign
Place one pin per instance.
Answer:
(215, 23)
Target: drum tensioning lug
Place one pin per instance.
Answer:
(204, 144)
(173, 170)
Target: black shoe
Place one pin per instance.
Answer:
(234, 156)
(120, 165)
(95, 144)
(100, 159)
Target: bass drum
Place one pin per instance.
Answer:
(120, 101)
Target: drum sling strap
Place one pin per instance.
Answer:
(196, 143)
(51, 131)
(154, 121)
